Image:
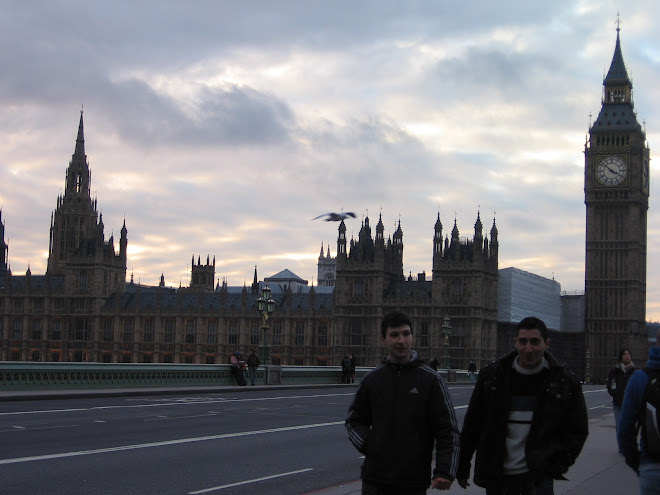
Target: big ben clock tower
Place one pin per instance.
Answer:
(616, 189)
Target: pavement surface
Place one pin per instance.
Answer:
(600, 469)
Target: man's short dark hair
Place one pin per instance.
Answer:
(624, 350)
(394, 319)
(533, 323)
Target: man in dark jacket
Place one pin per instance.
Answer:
(253, 364)
(617, 381)
(527, 419)
(400, 410)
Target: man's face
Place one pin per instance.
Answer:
(398, 341)
(626, 358)
(530, 346)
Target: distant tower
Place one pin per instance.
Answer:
(202, 277)
(327, 269)
(616, 187)
(367, 279)
(77, 247)
(465, 276)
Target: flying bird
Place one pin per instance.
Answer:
(336, 217)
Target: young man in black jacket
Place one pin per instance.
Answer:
(400, 410)
(527, 419)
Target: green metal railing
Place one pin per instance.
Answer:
(34, 376)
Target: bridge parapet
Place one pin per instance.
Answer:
(34, 376)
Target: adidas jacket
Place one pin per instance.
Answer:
(398, 413)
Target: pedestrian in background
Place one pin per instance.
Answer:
(472, 369)
(252, 364)
(345, 369)
(527, 419)
(633, 415)
(401, 409)
(617, 381)
(351, 372)
(237, 364)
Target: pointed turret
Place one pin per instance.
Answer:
(255, 282)
(380, 232)
(493, 241)
(77, 175)
(478, 235)
(398, 234)
(617, 111)
(80, 139)
(341, 241)
(4, 249)
(454, 232)
(437, 236)
(123, 241)
(617, 73)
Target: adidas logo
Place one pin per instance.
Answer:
(413, 390)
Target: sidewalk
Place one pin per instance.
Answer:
(599, 469)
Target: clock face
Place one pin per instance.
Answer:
(611, 171)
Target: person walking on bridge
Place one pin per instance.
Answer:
(617, 381)
(527, 419)
(401, 409)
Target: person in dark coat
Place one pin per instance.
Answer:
(345, 369)
(527, 419)
(252, 364)
(472, 370)
(617, 381)
(352, 366)
(401, 410)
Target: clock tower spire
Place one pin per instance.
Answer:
(616, 186)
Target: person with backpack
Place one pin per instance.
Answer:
(617, 381)
(639, 410)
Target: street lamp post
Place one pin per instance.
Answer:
(446, 332)
(266, 306)
(587, 367)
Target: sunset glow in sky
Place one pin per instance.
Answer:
(221, 128)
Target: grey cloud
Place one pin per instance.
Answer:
(228, 115)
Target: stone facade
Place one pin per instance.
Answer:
(82, 309)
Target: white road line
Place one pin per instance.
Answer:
(34, 428)
(599, 407)
(594, 391)
(247, 482)
(163, 443)
(159, 418)
(175, 403)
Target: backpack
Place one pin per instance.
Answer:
(650, 418)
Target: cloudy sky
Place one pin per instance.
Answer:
(221, 128)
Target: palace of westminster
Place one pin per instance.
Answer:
(83, 309)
